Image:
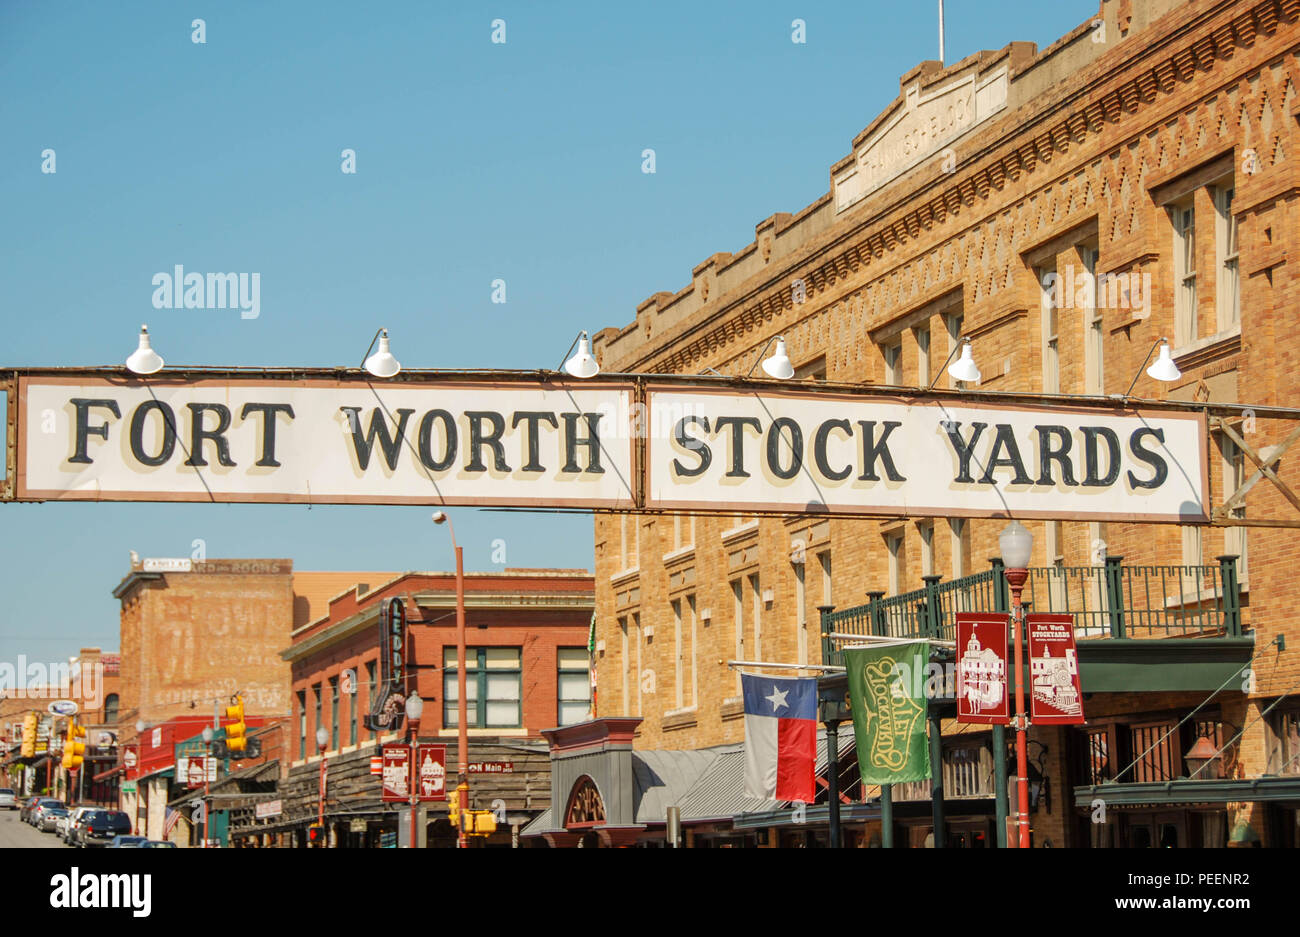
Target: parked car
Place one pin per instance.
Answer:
(128, 842)
(50, 817)
(67, 823)
(37, 815)
(157, 844)
(8, 799)
(78, 828)
(101, 826)
(28, 805)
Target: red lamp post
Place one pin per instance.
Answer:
(462, 739)
(322, 742)
(414, 709)
(1017, 545)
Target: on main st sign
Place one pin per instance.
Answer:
(618, 444)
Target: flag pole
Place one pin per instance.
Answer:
(941, 58)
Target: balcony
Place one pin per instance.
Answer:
(1138, 627)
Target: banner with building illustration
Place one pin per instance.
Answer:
(887, 697)
(982, 668)
(1055, 697)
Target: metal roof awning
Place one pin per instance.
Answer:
(105, 775)
(1186, 792)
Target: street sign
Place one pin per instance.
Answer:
(397, 772)
(128, 758)
(431, 761)
(491, 767)
(267, 809)
(197, 771)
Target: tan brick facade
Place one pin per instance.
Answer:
(1107, 138)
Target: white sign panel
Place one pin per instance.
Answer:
(165, 565)
(888, 456)
(564, 444)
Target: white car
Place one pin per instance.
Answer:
(8, 799)
(65, 824)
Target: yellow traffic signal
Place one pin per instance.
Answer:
(30, 722)
(484, 823)
(453, 810)
(236, 732)
(74, 750)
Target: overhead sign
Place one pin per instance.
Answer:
(1055, 697)
(197, 772)
(491, 767)
(165, 565)
(667, 444)
(846, 454)
(324, 441)
(397, 772)
(387, 705)
(982, 668)
(267, 809)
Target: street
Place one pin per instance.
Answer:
(15, 834)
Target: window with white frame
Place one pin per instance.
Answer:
(738, 615)
(801, 610)
(1229, 286)
(922, 334)
(893, 354)
(694, 658)
(952, 324)
(959, 537)
(1094, 364)
(894, 544)
(925, 529)
(625, 662)
(639, 637)
(1050, 301)
(1184, 220)
(573, 666)
(756, 597)
(1233, 461)
(679, 662)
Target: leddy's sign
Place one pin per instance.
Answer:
(844, 453)
(324, 441)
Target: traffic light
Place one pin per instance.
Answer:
(315, 834)
(30, 722)
(484, 823)
(453, 810)
(236, 732)
(74, 750)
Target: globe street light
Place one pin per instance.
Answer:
(462, 732)
(1017, 546)
(322, 742)
(414, 708)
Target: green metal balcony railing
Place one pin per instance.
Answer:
(1108, 601)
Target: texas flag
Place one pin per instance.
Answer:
(780, 737)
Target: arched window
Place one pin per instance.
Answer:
(110, 709)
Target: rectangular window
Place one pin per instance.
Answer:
(893, 354)
(825, 560)
(952, 323)
(354, 701)
(957, 530)
(302, 725)
(1094, 367)
(574, 685)
(1283, 741)
(626, 662)
(926, 532)
(679, 664)
(894, 543)
(316, 690)
(493, 688)
(922, 356)
(1159, 763)
(1050, 301)
(814, 370)
(1184, 219)
(738, 614)
(1054, 549)
(372, 689)
(801, 612)
(639, 636)
(334, 713)
(1233, 461)
(1229, 304)
(695, 671)
(756, 598)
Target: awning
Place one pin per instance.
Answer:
(1184, 792)
(104, 775)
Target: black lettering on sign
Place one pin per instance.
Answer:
(591, 441)
(137, 432)
(873, 450)
(1060, 454)
(199, 435)
(83, 428)
(774, 448)
(820, 439)
(1005, 442)
(693, 444)
(964, 450)
(1091, 435)
(1152, 458)
(533, 418)
(425, 440)
(737, 426)
(268, 412)
(378, 429)
(478, 439)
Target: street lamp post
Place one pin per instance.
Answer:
(462, 739)
(1017, 545)
(414, 709)
(322, 742)
(207, 808)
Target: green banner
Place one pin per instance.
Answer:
(887, 696)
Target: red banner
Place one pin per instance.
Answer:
(1055, 697)
(431, 763)
(982, 668)
(397, 772)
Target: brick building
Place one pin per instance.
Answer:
(528, 669)
(1151, 152)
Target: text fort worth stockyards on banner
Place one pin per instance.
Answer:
(620, 445)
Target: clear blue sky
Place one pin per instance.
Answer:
(474, 161)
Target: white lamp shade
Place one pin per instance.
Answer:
(382, 363)
(141, 725)
(583, 363)
(207, 733)
(963, 369)
(144, 360)
(322, 737)
(414, 707)
(1164, 369)
(1017, 545)
(779, 366)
